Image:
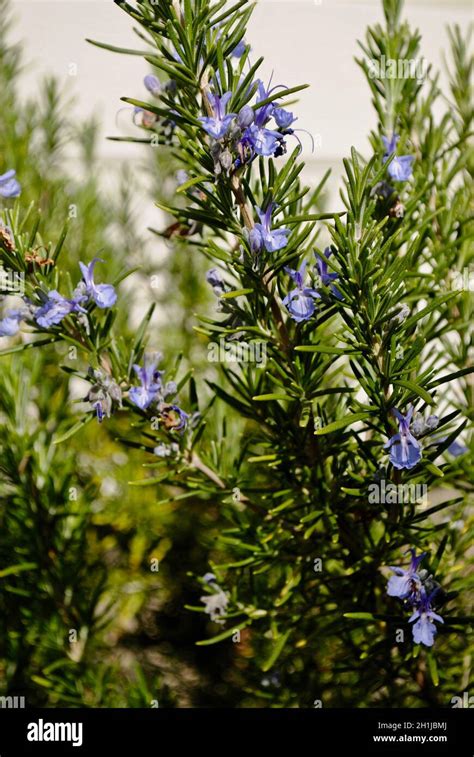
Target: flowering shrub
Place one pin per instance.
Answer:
(365, 337)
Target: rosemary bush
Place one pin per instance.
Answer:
(328, 436)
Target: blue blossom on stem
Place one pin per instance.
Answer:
(261, 140)
(10, 323)
(400, 169)
(239, 49)
(262, 235)
(245, 117)
(456, 449)
(324, 275)
(300, 301)
(405, 450)
(283, 118)
(104, 394)
(218, 124)
(153, 85)
(214, 278)
(405, 583)
(103, 295)
(56, 308)
(424, 630)
(150, 384)
(9, 186)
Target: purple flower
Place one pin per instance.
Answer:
(9, 186)
(239, 49)
(153, 85)
(218, 124)
(405, 450)
(424, 630)
(56, 308)
(214, 278)
(262, 236)
(10, 323)
(104, 395)
(150, 380)
(326, 277)
(104, 295)
(456, 449)
(300, 301)
(245, 117)
(405, 583)
(262, 141)
(400, 169)
(283, 118)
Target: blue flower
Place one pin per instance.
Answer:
(239, 49)
(55, 309)
(400, 169)
(424, 630)
(103, 295)
(261, 140)
(9, 186)
(150, 380)
(153, 85)
(326, 277)
(456, 449)
(405, 583)
(283, 118)
(300, 301)
(218, 125)
(245, 117)
(104, 395)
(10, 323)
(262, 236)
(214, 278)
(405, 450)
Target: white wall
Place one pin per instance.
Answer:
(311, 41)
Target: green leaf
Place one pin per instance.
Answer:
(342, 423)
(77, 427)
(276, 651)
(13, 570)
(223, 635)
(269, 397)
(418, 390)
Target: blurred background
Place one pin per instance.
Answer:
(310, 41)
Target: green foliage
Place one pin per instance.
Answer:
(271, 481)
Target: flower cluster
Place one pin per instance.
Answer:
(55, 307)
(104, 395)
(240, 137)
(300, 301)
(414, 588)
(151, 391)
(216, 602)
